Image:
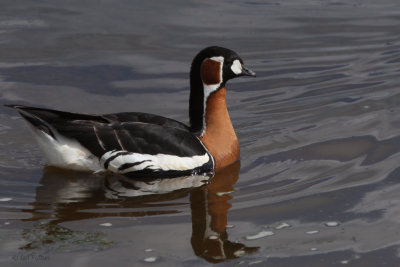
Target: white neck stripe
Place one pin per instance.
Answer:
(209, 89)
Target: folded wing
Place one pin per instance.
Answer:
(128, 143)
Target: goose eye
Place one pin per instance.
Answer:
(236, 67)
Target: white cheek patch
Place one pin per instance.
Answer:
(236, 67)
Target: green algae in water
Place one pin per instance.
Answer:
(53, 237)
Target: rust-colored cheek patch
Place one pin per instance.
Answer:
(210, 71)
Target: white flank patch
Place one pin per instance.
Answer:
(153, 162)
(65, 152)
(236, 67)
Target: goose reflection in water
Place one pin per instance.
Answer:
(71, 196)
(210, 207)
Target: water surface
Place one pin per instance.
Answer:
(318, 179)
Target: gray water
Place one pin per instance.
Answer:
(319, 176)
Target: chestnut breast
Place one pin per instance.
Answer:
(219, 136)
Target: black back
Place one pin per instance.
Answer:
(134, 132)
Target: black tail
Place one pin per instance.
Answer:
(31, 116)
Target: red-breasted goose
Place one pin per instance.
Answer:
(146, 145)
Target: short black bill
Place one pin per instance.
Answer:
(248, 72)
